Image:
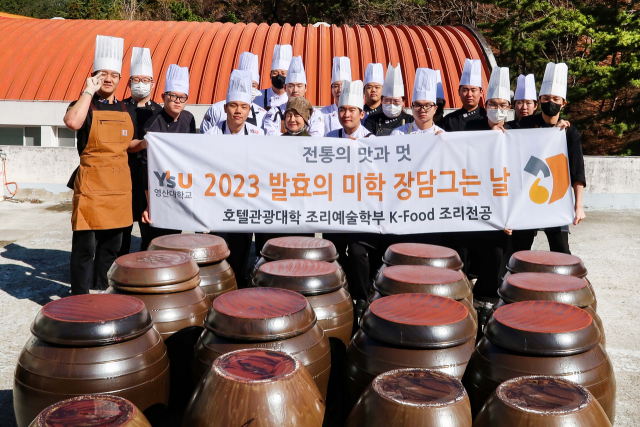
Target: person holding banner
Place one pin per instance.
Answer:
(392, 114)
(470, 92)
(296, 85)
(525, 101)
(373, 81)
(276, 94)
(350, 112)
(340, 72)
(424, 104)
(498, 102)
(102, 182)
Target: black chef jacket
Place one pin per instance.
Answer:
(462, 120)
(483, 125)
(381, 125)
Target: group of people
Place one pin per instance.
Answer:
(110, 185)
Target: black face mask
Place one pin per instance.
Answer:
(277, 81)
(551, 109)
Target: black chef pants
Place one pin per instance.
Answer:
(126, 241)
(486, 249)
(558, 240)
(148, 233)
(240, 248)
(92, 253)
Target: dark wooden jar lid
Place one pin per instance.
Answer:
(95, 410)
(256, 365)
(544, 395)
(299, 247)
(542, 327)
(418, 320)
(300, 275)
(546, 262)
(422, 279)
(419, 387)
(422, 254)
(153, 268)
(89, 320)
(546, 286)
(203, 248)
(162, 289)
(260, 314)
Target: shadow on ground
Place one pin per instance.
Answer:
(6, 409)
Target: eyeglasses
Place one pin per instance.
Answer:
(141, 80)
(494, 106)
(173, 97)
(423, 107)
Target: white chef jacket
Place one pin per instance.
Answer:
(331, 121)
(222, 128)
(411, 128)
(268, 98)
(216, 114)
(360, 132)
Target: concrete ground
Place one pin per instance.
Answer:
(35, 241)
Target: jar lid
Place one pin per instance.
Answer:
(203, 248)
(260, 314)
(95, 410)
(543, 328)
(300, 275)
(544, 395)
(418, 320)
(546, 262)
(153, 268)
(255, 365)
(299, 247)
(89, 320)
(546, 286)
(418, 387)
(162, 289)
(422, 279)
(422, 254)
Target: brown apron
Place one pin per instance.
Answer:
(102, 188)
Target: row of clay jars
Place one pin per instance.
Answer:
(91, 344)
(540, 338)
(410, 330)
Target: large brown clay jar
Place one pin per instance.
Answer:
(91, 344)
(266, 318)
(412, 398)
(541, 401)
(256, 387)
(540, 338)
(95, 410)
(210, 252)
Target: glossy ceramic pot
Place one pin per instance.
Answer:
(152, 269)
(422, 254)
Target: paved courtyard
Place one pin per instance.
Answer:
(35, 242)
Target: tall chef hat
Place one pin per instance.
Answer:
(472, 73)
(239, 86)
(425, 85)
(352, 94)
(374, 74)
(393, 84)
(108, 55)
(439, 87)
(526, 88)
(499, 85)
(555, 80)
(296, 72)
(341, 69)
(141, 64)
(282, 55)
(249, 62)
(177, 79)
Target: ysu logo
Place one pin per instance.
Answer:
(165, 177)
(556, 168)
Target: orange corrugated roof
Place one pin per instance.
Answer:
(12, 16)
(51, 59)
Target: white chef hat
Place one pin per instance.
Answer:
(341, 69)
(499, 85)
(526, 88)
(374, 74)
(177, 79)
(239, 87)
(471, 73)
(282, 55)
(439, 87)
(393, 84)
(249, 62)
(352, 94)
(108, 55)
(141, 64)
(296, 72)
(424, 86)
(555, 80)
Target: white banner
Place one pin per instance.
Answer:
(464, 181)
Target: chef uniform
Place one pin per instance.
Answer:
(267, 98)
(141, 65)
(461, 120)
(374, 73)
(424, 89)
(273, 122)
(215, 113)
(340, 72)
(102, 184)
(525, 91)
(381, 124)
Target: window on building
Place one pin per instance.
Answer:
(66, 137)
(11, 136)
(32, 136)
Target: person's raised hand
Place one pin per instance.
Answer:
(562, 124)
(94, 83)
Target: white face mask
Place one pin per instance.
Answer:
(496, 116)
(254, 93)
(141, 90)
(391, 110)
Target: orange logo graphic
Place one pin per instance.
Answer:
(554, 167)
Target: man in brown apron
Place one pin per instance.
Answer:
(102, 183)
